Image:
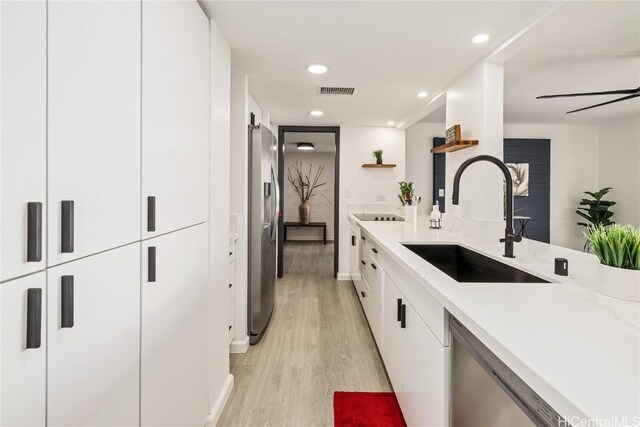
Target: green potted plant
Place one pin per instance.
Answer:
(409, 201)
(595, 211)
(618, 249)
(378, 155)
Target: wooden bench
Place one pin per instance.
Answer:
(322, 225)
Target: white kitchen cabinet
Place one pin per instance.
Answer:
(175, 332)
(424, 390)
(23, 78)
(416, 361)
(373, 277)
(393, 346)
(232, 298)
(175, 115)
(93, 126)
(23, 351)
(94, 340)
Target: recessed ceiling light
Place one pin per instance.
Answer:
(316, 113)
(317, 68)
(305, 146)
(422, 94)
(480, 38)
(390, 123)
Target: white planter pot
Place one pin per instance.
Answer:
(410, 214)
(619, 283)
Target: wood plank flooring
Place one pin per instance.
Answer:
(318, 342)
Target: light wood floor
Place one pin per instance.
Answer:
(318, 342)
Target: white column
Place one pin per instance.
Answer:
(475, 102)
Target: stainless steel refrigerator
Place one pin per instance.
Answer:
(264, 204)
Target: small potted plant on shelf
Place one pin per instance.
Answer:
(409, 201)
(378, 155)
(618, 248)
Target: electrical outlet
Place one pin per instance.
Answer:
(441, 192)
(466, 208)
(382, 198)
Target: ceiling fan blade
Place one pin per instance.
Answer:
(608, 92)
(636, 95)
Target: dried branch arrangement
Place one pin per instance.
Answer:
(305, 184)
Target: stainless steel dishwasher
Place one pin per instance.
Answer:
(485, 392)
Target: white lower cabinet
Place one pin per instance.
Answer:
(232, 298)
(94, 340)
(175, 340)
(416, 361)
(23, 351)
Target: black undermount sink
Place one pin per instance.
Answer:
(465, 265)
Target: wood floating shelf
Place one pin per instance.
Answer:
(454, 146)
(375, 165)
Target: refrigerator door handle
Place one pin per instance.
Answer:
(276, 206)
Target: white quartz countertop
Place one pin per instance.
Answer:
(576, 348)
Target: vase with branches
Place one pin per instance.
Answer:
(306, 185)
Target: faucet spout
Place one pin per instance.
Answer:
(509, 236)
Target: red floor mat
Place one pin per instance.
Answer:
(359, 409)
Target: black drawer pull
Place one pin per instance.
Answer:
(66, 244)
(374, 266)
(403, 314)
(34, 317)
(363, 262)
(363, 294)
(375, 251)
(399, 310)
(66, 302)
(230, 284)
(353, 240)
(34, 232)
(363, 238)
(229, 327)
(230, 253)
(151, 273)
(151, 213)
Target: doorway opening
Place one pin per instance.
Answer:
(312, 150)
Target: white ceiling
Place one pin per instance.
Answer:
(323, 142)
(388, 50)
(582, 47)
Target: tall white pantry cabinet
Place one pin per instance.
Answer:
(104, 147)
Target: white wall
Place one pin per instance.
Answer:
(419, 160)
(219, 207)
(574, 169)
(475, 102)
(358, 184)
(619, 167)
(321, 208)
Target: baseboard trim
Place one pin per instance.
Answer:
(239, 346)
(223, 397)
(344, 276)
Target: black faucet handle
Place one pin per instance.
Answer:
(510, 237)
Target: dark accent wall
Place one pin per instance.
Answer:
(536, 152)
(439, 177)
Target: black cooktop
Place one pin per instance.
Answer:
(379, 217)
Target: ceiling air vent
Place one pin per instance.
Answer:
(328, 90)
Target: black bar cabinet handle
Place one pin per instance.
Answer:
(152, 264)
(375, 251)
(34, 231)
(403, 316)
(374, 266)
(67, 226)
(151, 213)
(353, 240)
(66, 300)
(363, 262)
(34, 317)
(399, 310)
(363, 238)
(363, 294)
